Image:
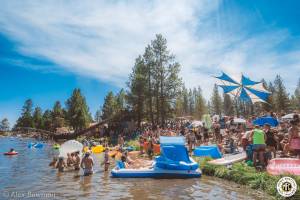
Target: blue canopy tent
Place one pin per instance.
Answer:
(266, 120)
(246, 90)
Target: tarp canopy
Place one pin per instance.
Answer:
(246, 90)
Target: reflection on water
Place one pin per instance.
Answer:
(29, 172)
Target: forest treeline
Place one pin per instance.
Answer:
(154, 93)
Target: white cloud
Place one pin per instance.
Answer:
(101, 39)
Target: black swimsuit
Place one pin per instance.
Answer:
(270, 139)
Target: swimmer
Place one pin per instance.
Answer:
(87, 164)
(76, 161)
(69, 160)
(12, 150)
(61, 165)
(106, 160)
(53, 162)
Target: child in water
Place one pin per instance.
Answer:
(69, 160)
(61, 165)
(106, 160)
(53, 162)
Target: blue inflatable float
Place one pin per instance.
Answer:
(174, 162)
(208, 151)
(35, 145)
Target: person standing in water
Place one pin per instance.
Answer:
(106, 160)
(259, 145)
(87, 164)
(76, 161)
(61, 164)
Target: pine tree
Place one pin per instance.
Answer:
(121, 100)
(269, 106)
(296, 98)
(281, 96)
(98, 115)
(38, 118)
(138, 84)
(200, 106)
(47, 121)
(148, 62)
(109, 107)
(4, 125)
(26, 117)
(185, 101)
(166, 76)
(228, 105)
(216, 101)
(58, 117)
(78, 111)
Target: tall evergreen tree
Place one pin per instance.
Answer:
(98, 115)
(185, 101)
(121, 100)
(216, 101)
(4, 125)
(166, 76)
(47, 120)
(78, 111)
(109, 107)
(138, 84)
(38, 118)
(26, 117)
(228, 105)
(200, 106)
(58, 117)
(297, 96)
(281, 96)
(148, 59)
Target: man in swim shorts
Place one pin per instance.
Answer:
(259, 145)
(87, 164)
(76, 161)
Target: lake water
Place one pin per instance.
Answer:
(27, 176)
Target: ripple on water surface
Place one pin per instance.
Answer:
(29, 171)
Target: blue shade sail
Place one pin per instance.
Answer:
(228, 88)
(244, 96)
(246, 81)
(247, 90)
(225, 77)
(260, 94)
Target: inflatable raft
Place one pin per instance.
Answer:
(279, 166)
(207, 151)
(10, 153)
(174, 162)
(154, 173)
(56, 146)
(35, 145)
(229, 159)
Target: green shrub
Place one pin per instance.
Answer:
(245, 175)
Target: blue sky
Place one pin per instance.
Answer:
(48, 48)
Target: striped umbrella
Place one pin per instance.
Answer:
(246, 90)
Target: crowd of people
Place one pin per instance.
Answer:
(261, 143)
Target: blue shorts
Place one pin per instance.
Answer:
(259, 147)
